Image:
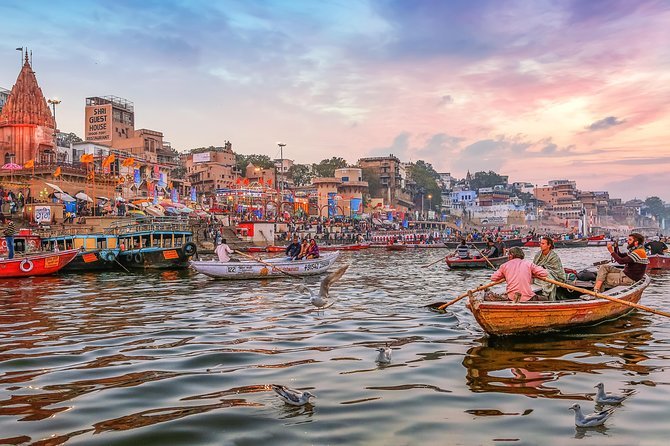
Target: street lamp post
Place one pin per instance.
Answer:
(54, 102)
(281, 169)
(430, 202)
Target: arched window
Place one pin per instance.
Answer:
(8, 157)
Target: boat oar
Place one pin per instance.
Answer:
(431, 264)
(485, 258)
(440, 306)
(605, 296)
(267, 264)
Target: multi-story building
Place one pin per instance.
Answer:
(489, 196)
(392, 177)
(212, 169)
(351, 190)
(282, 167)
(4, 95)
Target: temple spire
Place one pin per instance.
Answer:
(26, 103)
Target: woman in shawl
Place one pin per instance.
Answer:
(549, 260)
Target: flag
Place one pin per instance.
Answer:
(269, 181)
(193, 194)
(238, 180)
(150, 188)
(155, 195)
(246, 181)
(86, 158)
(29, 164)
(157, 171)
(175, 197)
(260, 180)
(57, 172)
(136, 177)
(109, 160)
(128, 162)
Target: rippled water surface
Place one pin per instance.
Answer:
(178, 358)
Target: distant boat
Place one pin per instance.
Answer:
(474, 263)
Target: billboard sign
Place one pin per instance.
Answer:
(201, 157)
(98, 123)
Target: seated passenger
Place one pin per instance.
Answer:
(293, 250)
(519, 275)
(313, 250)
(491, 249)
(462, 250)
(635, 261)
(304, 249)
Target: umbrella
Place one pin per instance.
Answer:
(185, 210)
(120, 199)
(83, 196)
(64, 196)
(156, 211)
(102, 198)
(54, 187)
(11, 167)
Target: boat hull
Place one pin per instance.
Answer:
(95, 260)
(157, 258)
(657, 261)
(257, 270)
(510, 319)
(475, 263)
(36, 265)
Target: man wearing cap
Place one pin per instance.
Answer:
(9, 233)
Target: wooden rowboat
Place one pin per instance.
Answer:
(250, 269)
(352, 247)
(657, 261)
(479, 262)
(396, 247)
(36, 265)
(508, 318)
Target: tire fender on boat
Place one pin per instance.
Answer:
(26, 265)
(190, 249)
(139, 258)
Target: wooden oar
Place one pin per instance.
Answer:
(431, 264)
(604, 296)
(485, 258)
(440, 306)
(267, 264)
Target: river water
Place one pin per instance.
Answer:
(176, 358)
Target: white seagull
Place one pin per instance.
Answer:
(384, 356)
(607, 398)
(293, 397)
(592, 419)
(321, 300)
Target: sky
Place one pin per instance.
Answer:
(537, 90)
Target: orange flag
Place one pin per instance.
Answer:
(57, 172)
(29, 164)
(109, 160)
(86, 158)
(128, 162)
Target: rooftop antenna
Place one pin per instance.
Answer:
(21, 56)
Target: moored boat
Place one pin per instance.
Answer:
(474, 263)
(155, 243)
(36, 265)
(659, 261)
(506, 318)
(268, 268)
(396, 247)
(95, 251)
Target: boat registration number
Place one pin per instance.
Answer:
(50, 262)
(170, 255)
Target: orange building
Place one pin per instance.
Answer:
(27, 126)
(210, 170)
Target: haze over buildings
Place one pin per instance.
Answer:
(532, 90)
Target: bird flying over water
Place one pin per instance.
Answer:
(321, 300)
(592, 419)
(607, 398)
(293, 397)
(384, 356)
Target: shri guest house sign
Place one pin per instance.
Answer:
(99, 123)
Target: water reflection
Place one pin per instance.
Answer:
(529, 367)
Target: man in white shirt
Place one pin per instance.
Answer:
(223, 250)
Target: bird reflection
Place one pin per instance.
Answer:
(582, 432)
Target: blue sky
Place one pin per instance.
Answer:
(537, 90)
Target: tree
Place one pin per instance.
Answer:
(326, 168)
(487, 179)
(262, 161)
(65, 139)
(425, 177)
(178, 172)
(374, 185)
(656, 207)
(301, 174)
